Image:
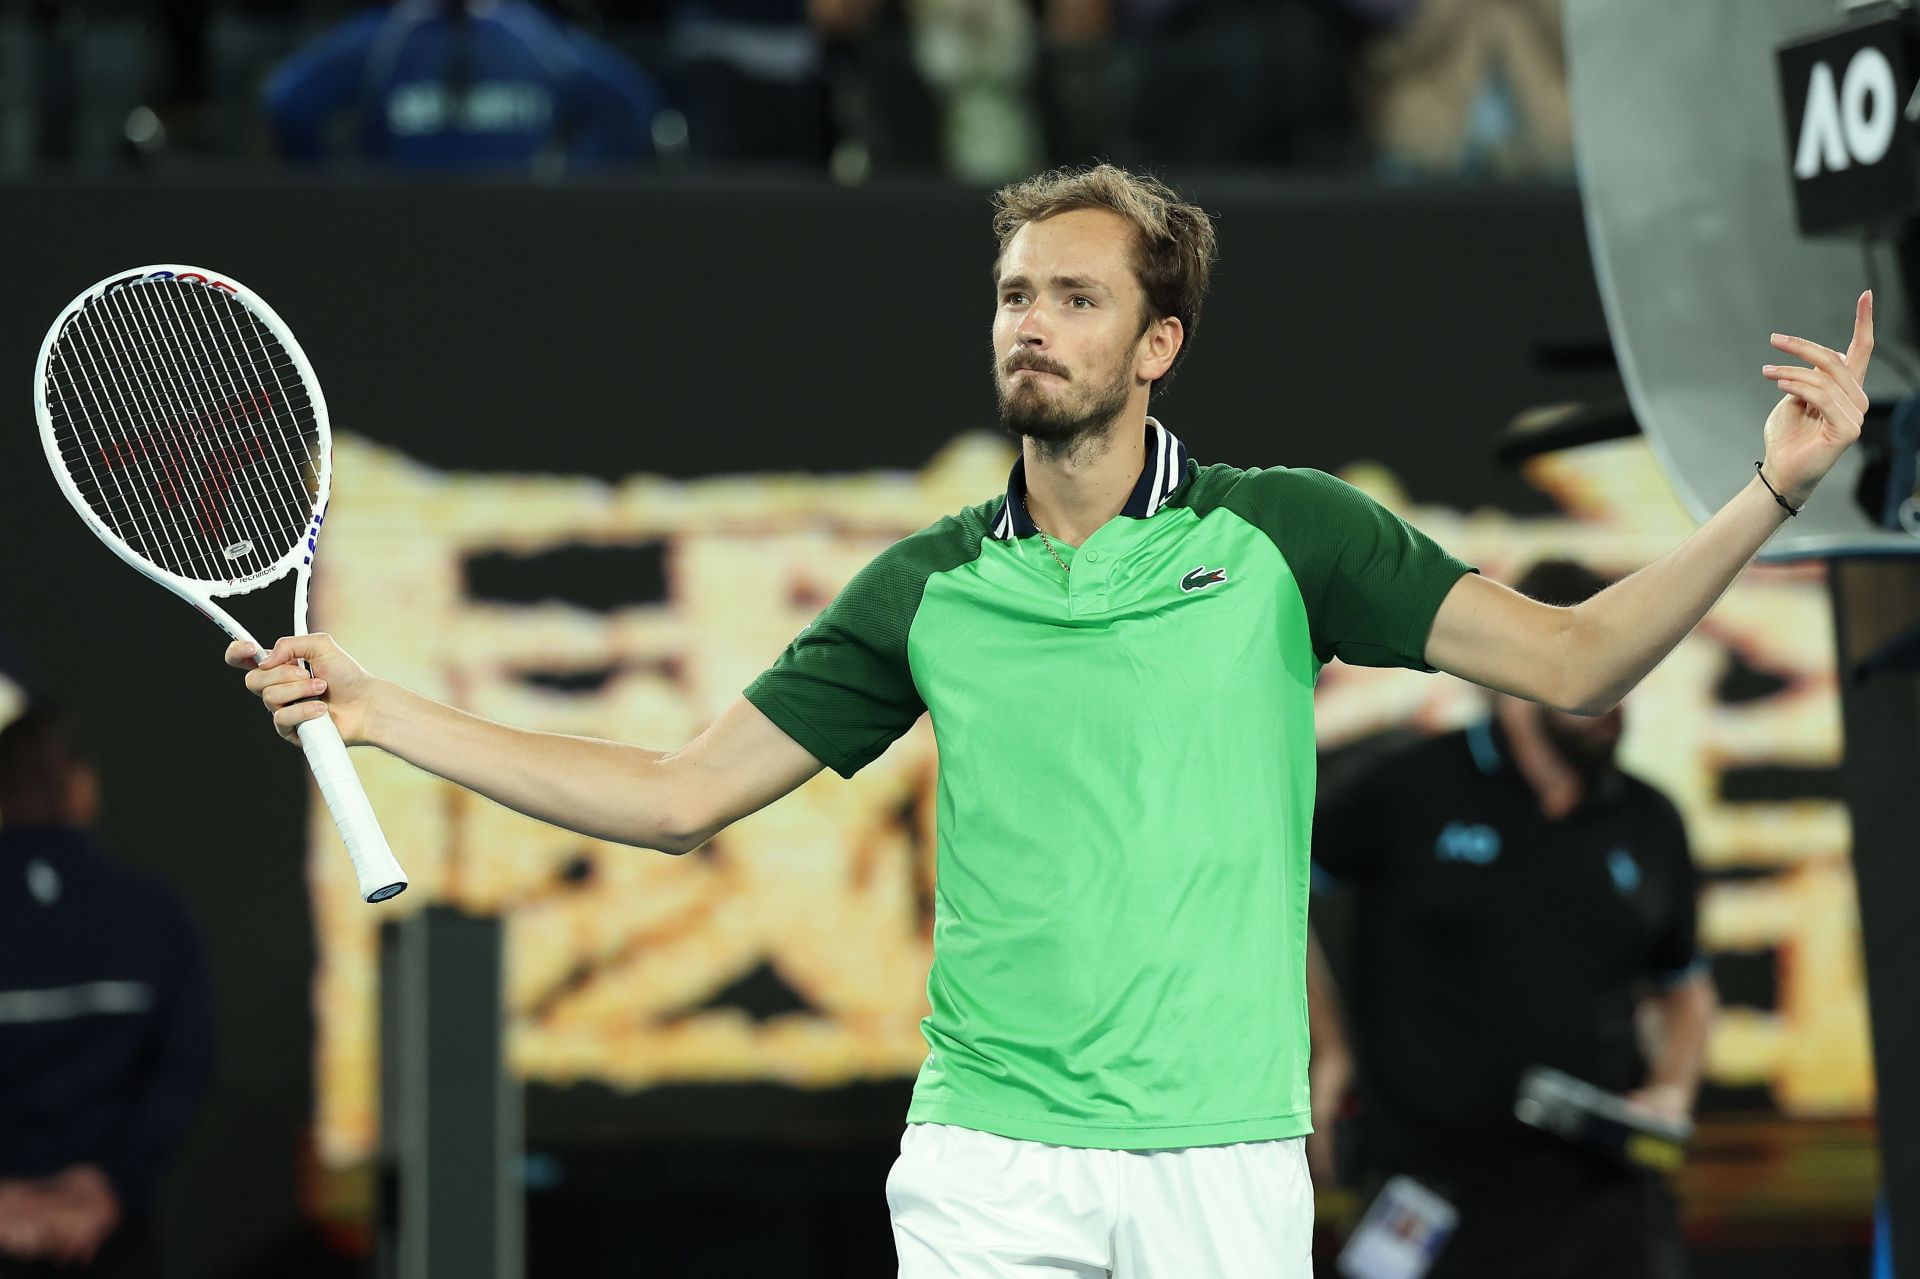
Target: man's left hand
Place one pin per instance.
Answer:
(64, 1218)
(89, 1212)
(1669, 1101)
(1820, 416)
(1330, 1076)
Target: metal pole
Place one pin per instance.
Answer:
(450, 1205)
(1876, 609)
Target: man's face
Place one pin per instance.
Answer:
(81, 803)
(1586, 743)
(1067, 331)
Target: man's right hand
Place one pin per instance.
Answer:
(335, 683)
(23, 1211)
(1330, 1077)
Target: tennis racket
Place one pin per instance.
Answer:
(186, 427)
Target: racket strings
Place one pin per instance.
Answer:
(263, 349)
(215, 436)
(149, 527)
(187, 427)
(222, 405)
(225, 454)
(151, 469)
(114, 505)
(100, 344)
(175, 449)
(259, 355)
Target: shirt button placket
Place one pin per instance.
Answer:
(1088, 585)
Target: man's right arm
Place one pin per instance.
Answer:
(1330, 1067)
(670, 800)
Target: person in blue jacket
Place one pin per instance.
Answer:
(464, 85)
(106, 1022)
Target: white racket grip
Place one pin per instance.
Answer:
(380, 875)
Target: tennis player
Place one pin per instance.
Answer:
(1118, 656)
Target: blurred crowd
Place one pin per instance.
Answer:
(977, 90)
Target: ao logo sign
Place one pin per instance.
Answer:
(1851, 122)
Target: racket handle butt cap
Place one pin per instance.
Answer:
(374, 866)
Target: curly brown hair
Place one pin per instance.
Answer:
(1174, 243)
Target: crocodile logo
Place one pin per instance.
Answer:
(1202, 577)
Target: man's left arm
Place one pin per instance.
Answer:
(1685, 1014)
(1330, 1065)
(1682, 999)
(1584, 659)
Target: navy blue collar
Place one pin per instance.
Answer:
(1160, 479)
(1484, 739)
(1488, 743)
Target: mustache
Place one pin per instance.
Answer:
(1036, 363)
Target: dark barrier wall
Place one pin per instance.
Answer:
(683, 332)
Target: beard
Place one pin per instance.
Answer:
(1589, 754)
(1058, 423)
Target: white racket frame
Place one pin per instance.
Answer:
(373, 861)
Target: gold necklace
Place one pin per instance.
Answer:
(1044, 539)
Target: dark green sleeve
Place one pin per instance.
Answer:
(842, 688)
(1371, 581)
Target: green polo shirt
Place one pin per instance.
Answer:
(1126, 785)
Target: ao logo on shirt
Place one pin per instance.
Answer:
(1476, 845)
(1625, 870)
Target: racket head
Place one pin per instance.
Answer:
(183, 422)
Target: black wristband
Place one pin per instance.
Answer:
(1771, 489)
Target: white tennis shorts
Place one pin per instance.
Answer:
(970, 1205)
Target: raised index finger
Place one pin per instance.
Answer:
(1860, 350)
